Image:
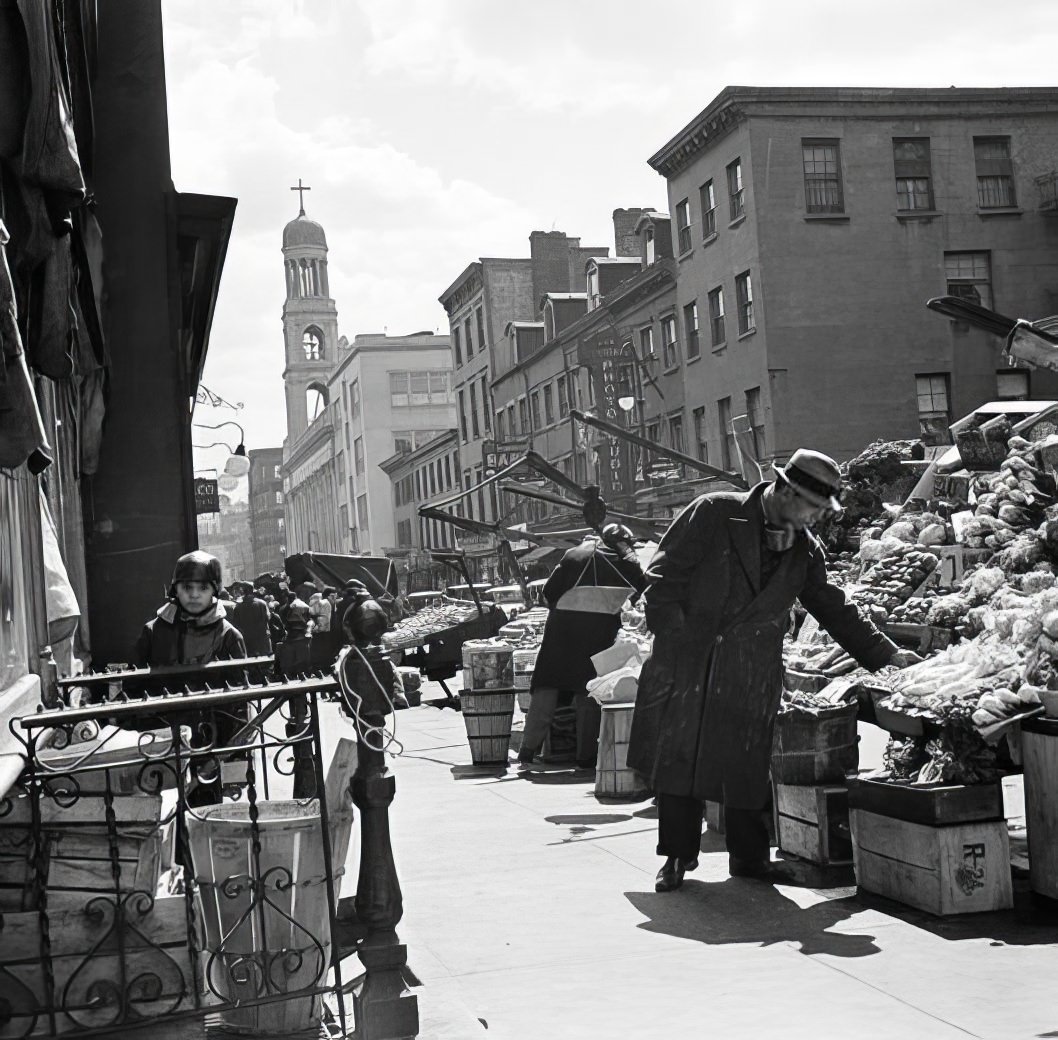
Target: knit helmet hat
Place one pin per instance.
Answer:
(196, 566)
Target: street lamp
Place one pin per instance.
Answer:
(238, 465)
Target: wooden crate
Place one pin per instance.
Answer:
(1039, 750)
(815, 747)
(812, 822)
(934, 806)
(958, 869)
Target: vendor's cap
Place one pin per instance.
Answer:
(614, 533)
(814, 476)
(197, 566)
(354, 585)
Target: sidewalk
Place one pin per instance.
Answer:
(532, 905)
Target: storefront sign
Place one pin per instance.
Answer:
(207, 499)
(611, 363)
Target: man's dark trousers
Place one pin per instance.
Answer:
(680, 831)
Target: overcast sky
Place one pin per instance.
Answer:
(433, 132)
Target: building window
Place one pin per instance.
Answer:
(914, 177)
(312, 343)
(512, 428)
(735, 193)
(1012, 384)
(563, 398)
(486, 409)
(716, 316)
(463, 417)
(358, 454)
(646, 342)
(701, 446)
(448, 472)
(593, 287)
(354, 399)
(549, 405)
(278, 472)
(690, 329)
(480, 319)
(537, 420)
(279, 498)
(523, 415)
(469, 500)
(755, 414)
(676, 432)
(707, 197)
(969, 276)
(457, 350)
(651, 255)
(744, 301)
(468, 338)
(934, 409)
(683, 225)
(500, 432)
(361, 512)
(727, 437)
(822, 168)
(398, 389)
(995, 173)
(419, 389)
(474, 411)
(669, 352)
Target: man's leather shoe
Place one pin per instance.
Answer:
(670, 877)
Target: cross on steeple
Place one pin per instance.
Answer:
(300, 189)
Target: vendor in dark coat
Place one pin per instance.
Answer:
(719, 593)
(585, 594)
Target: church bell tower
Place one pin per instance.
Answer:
(310, 321)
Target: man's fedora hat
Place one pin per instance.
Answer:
(814, 476)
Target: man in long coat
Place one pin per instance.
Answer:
(719, 592)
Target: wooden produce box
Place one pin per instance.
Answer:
(812, 822)
(922, 638)
(1039, 751)
(962, 868)
(815, 747)
(935, 805)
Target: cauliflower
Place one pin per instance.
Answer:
(984, 583)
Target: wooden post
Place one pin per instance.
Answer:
(382, 1006)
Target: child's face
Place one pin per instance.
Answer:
(194, 596)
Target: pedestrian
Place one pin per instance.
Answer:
(719, 592)
(322, 611)
(250, 616)
(296, 616)
(192, 628)
(585, 594)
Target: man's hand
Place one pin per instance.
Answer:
(904, 658)
(665, 618)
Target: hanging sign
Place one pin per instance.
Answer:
(610, 362)
(207, 499)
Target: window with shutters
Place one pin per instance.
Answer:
(669, 350)
(995, 173)
(736, 198)
(821, 158)
(683, 225)
(690, 329)
(744, 300)
(914, 176)
(716, 316)
(707, 197)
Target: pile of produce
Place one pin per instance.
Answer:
(1010, 502)
(820, 659)
(418, 628)
(896, 576)
(957, 756)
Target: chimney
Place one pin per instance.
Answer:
(626, 242)
(549, 251)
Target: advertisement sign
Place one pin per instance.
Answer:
(611, 365)
(207, 499)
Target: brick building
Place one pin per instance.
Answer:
(267, 524)
(809, 228)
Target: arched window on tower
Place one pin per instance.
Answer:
(315, 401)
(312, 343)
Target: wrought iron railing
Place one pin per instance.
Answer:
(91, 943)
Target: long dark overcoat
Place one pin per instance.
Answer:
(572, 636)
(708, 694)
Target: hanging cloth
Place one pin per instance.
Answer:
(594, 598)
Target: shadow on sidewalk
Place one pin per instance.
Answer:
(742, 911)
